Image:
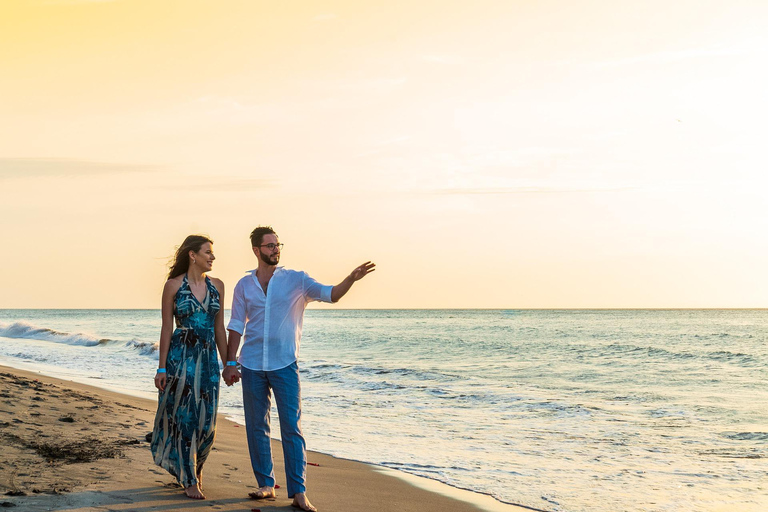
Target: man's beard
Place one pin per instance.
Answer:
(269, 259)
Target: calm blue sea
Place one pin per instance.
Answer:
(556, 410)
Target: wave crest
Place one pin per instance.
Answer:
(28, 331)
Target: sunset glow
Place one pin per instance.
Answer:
(488, 154)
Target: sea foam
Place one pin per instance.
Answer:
(26, 330)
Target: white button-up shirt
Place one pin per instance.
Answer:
(271, 323)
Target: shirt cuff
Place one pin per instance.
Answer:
(236, 325)
(325, 293)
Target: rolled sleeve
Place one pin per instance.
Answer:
(316, 291)
(238, 316)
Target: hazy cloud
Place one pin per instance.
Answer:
(75, 2)
(374, 85)
(440, 59)
(383, 145)
(11, 168)
(220, 102)
(221, 184)
(680, 55)
(527, 190)
(325, 17)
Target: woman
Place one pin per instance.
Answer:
(188, 370)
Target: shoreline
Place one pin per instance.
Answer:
(106, 429)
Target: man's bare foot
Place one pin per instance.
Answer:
(194, 492)
(262, 493)
(301, 502)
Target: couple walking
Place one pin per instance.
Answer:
(267, 314)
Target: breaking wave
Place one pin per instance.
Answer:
(28, 331)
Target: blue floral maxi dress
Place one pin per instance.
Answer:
(185, 423)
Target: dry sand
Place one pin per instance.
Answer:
(69, 446)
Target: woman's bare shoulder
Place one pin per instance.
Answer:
(173, 284)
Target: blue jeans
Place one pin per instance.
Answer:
(284, 383)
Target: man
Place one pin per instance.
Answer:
(267, 313)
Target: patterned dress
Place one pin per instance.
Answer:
(185, 423)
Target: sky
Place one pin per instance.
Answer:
(484, 154)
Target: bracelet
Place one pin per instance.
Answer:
(161, 370)
(231, 363)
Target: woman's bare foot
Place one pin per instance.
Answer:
(200, 479)
(262, 493)
(194, 492)
(301, 502)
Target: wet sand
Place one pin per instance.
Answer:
(69, 446)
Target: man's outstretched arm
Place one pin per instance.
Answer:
(343, 287)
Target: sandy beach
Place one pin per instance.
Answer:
(69, 446)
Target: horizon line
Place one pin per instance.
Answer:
(443, 309)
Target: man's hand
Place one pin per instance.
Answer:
(362, 271)
(230, 375)
(343, 287)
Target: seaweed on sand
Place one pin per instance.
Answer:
(85, 450)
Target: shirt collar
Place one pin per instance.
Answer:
(277, 269)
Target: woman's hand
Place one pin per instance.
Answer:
(160, 380)
(230, 375)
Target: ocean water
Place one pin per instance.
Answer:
(556, 410)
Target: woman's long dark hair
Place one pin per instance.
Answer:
(180, 263)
